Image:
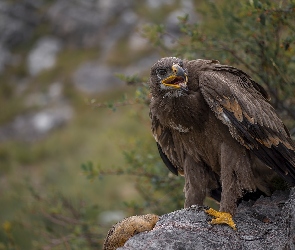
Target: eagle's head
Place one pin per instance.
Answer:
(168, 75)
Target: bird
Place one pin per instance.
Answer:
(215, 125)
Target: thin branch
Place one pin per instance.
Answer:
(233, 53)
(279, 71)
(138, 174)
(290, 111)
(290, 27)
(54, 220)
(74, 211)
(67, 219)
(115, 105)
(56, 242)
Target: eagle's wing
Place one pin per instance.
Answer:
(165, 145)
(167, 162)
(241, 104)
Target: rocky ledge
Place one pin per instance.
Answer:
(268, 223)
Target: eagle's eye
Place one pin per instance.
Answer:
(161, 72)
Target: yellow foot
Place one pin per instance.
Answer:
(221, 218)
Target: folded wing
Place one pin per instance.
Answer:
(242, 105)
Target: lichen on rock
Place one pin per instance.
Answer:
(127, 228)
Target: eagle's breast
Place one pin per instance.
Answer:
(179, 127)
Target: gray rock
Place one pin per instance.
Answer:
(17, 24)
(85, 23)
(93, 77)
(110, 8)
(46, 120)
(31, 127)
(172, 20)
(126, 24)
(141, 66)
(5, 57)
(269, 223)
(137, 41)
(157, 3)
(53, 96)
(53, 112)
(75, 22)
(18, 20)
(43, 55)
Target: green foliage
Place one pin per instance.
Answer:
(64, 224)
(256, 36)
(154, 183)
(131, 80)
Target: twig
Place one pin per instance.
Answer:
(67, 219)
(54, 220)
(56, 242)
(233, 53)
(115, 105)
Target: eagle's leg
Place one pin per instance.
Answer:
(196, 181)
(235, 176)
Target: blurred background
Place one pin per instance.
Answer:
(76, 151)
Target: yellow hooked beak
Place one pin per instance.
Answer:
(178, 79)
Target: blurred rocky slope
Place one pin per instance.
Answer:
(35, 34)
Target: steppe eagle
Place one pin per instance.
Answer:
(214, 124)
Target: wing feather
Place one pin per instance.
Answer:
(165, 145)
(242, 105)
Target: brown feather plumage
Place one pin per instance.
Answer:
(221, 132)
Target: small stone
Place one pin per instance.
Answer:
(43, 55)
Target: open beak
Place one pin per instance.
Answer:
(178, 79)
